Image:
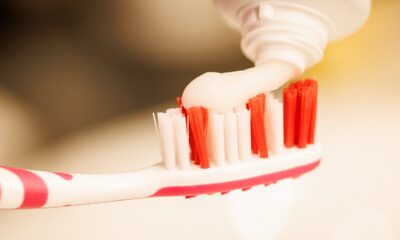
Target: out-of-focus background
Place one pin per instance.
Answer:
(78, 83)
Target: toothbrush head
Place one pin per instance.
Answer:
(260, 143)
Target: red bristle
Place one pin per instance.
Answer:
(304, 106)
(300, 106)
(254, 148)
(289, 122)
(193, 155)
(298, 86)
(264, 103)
(204, 112)
(314, 93)
(197, 124)
(262, 99)
(257, 109)
(180, 105)
(179, 101)
(193, 152)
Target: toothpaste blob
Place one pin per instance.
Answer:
(223, 92)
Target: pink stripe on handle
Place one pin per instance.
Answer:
(225, 187)
(35, 189)
(65, 176)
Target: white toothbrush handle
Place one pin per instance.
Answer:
(20, 188)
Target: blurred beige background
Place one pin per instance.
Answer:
(78, 83)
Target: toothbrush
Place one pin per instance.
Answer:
(203, 152)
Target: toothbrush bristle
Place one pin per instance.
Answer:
(264, 126)
(289, 106)
(314, 93)
(258, 130)
(179, 102)
(300, 101)
(197, 117)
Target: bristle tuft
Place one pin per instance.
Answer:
(244, 133)
(215, 132)
(197, 117)
(264, 128)
(167, 139)
(314, 97)
(258, 130)
(231, 137)
(274, 125)
(300, 105)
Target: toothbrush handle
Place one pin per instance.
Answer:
(21, 188)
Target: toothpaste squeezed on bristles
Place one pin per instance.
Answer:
(262, 127)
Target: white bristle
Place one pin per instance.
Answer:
(181, 141)
(231, 137)
(278, 126)
(268, 123)
(173, 112)
(244, 133)
(216, 138)
(156, 124)
(275, 126)
(165, 127)
(157, 132)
